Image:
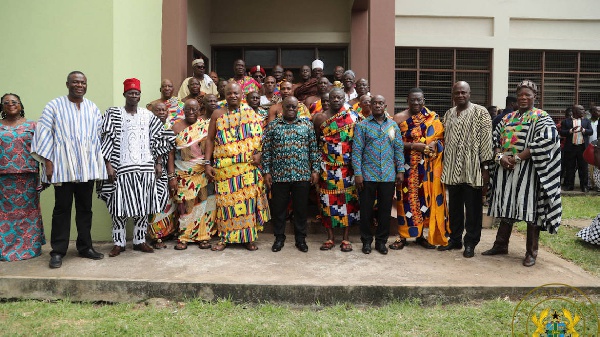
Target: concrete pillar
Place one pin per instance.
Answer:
(382, 48)
(174, 41)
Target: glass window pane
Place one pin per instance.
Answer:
(437, 59)
(296, 58)
(561, 61)
(263, 57)
(224, 59)
(559, 92)
(525, 60)
(332, 58)
(405, 80)
(473, 59)
(437, 87)
(406, 58)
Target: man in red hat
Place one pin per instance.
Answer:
(134, 143)
(258, 74)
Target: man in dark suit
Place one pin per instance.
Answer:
(577, 131)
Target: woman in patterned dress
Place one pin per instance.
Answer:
(21, 229)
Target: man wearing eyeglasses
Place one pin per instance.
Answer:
(207, 86)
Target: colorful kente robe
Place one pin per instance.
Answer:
(193, 188)
(21, 228)
(241, 203)
(316, 107)
(175, 111)
(421, 201)
(339, 198)
(530, 192)
(248, 85)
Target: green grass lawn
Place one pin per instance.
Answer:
(580, 207)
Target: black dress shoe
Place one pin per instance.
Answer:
(366, 248)
(91, 254)
(469, 251)
(277, 245)
(451, 245)
(381, 248)
(302, 246)
(55, 261)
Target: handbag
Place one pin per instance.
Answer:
(592, 154)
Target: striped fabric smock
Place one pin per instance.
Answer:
(530, 192)
(468, 144)
(377, 150)
(69, 137)
(132, 143)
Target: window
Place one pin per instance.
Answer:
(564, 78)
(435, 70)
(290, 57)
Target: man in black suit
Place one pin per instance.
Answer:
(577, 131)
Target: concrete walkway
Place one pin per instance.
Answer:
(290, 276)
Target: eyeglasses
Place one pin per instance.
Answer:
(11, 102)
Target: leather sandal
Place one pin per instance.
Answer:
(346, 246)
(251, 246)
(159, 244)
(180, 246)
(218, 247)
(421, 241)
(398, 244)
(204, 245)
(327, 245)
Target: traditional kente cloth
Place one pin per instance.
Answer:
(193, 188)
(248, 85)
(21, 229)
(241, 203)
(339, 198)
(175, 109)
(530, 192)
(306, 89)
(422, 198)
(316, 107)
(266, 103)
(132, 143)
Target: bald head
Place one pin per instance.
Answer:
(461, 93)
(166, 88)
(290, 108)
(233, 94)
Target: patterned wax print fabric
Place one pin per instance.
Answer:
(339, 198)
(421, 200)
(530, 192)
(591, 233)
(315, 107)
(132, 143)
(21, 229)
(241, 203)
(193, 188)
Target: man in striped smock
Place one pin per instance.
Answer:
(526, 186)
(67, 143)
(468, 154)
(134, 142)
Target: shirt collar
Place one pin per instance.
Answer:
(283, 121)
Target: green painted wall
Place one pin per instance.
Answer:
(107, 40)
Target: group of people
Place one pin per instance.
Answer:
(224, 157)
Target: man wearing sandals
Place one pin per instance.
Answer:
(339, 200)
(232, 157)
(421, 198)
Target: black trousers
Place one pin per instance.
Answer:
(280, 196)
(61, 216)
(383, 192)
(574, 161)
(465, 199)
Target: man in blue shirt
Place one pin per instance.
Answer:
(291, 163)
(378, 162)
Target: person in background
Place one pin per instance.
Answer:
(348, 81)
(214, 76)
(593, 171)
(67, 143)
(270, 97)
(577, 131)
(492, 111)
(511, 105)
(173, 104)
(21, 227)
(289, 76)
(246, 83)
(207, 86)
(258, 74)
